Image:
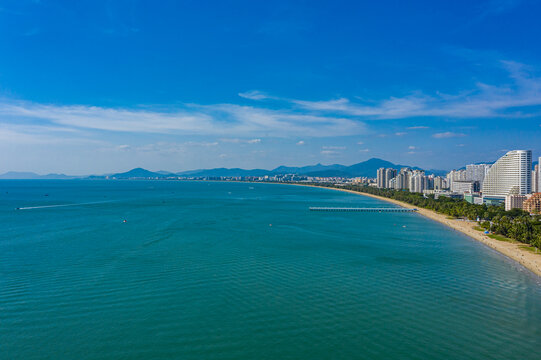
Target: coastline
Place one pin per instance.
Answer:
(512, 250)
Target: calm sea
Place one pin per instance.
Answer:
(208, 270)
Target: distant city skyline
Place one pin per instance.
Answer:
(100, 87)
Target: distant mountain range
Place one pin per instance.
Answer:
(31, 175)
(366, 168)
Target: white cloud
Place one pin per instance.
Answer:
(220, 119)
(160, 147)
(483, 101)
(39, 134)
(418, 127)
(333, 147)
(400, 133)
(300, 142)
(447, 134)
(364, 150)
(254, 95)
(201, 143)
(240, 141)
(411, 147)
(329, 152)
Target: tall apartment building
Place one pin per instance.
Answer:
(413, 180)
(535, 179)
(389, 175)
(418, 181)
(380, 179)
(403, 179)
(511, 174)
(455, 175)
(440, 183)
(539, 174)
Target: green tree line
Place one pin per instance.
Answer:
(515, 224)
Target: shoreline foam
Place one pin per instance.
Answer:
(511, 250)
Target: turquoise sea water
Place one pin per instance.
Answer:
(207, 270)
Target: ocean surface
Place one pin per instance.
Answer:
(209, 270)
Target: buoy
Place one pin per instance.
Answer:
(124, 221)
(270, 224)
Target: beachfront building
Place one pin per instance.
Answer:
(533, 204)
(511, 174)
(513, 201)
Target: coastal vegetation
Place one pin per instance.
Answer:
(515, 224)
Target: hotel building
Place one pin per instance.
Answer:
(511, 174)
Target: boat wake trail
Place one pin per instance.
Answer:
(60, 205)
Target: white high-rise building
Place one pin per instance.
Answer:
(417, 181)
(461, 187)
(389, 175)
(476, 172)
(402, 179)
(512, 173)
(440, 183)
(381, 180)
(456, 175)
(535, 179)
(539, 175)
(384, 177)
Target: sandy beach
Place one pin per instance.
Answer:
(512, 250)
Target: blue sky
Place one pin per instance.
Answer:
(102, 86)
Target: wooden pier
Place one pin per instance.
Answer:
(345, 209)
